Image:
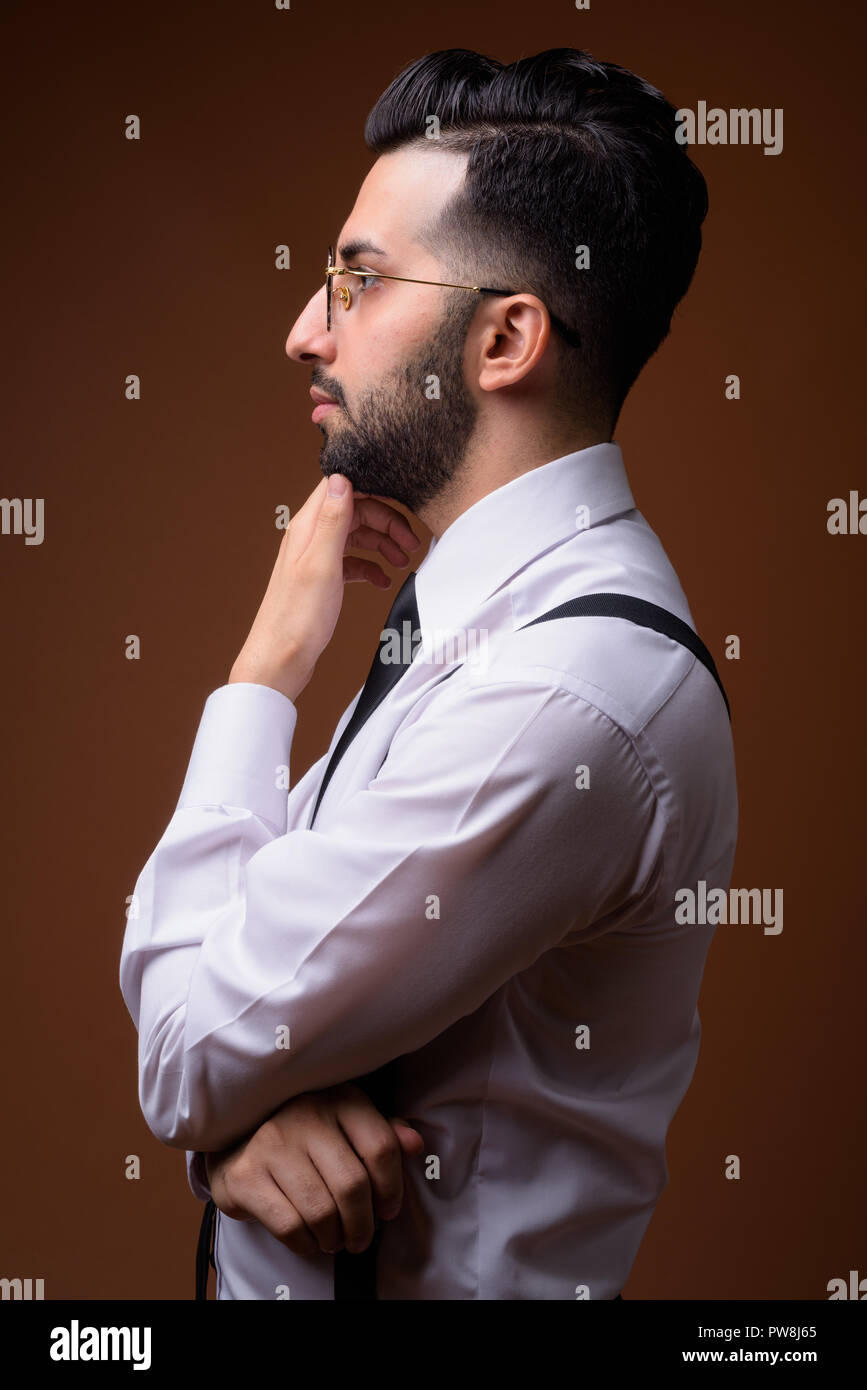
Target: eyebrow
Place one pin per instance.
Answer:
(350, 249)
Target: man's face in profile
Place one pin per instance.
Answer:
(393, 431)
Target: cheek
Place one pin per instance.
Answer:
(395, 331)
(421, 312)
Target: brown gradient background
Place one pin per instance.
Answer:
(157, 258)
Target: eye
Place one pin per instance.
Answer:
(365, 281)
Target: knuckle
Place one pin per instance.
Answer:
(309, 1191)
(289, 1228)
(267, 1134)
(384, 1145)
(283, 1127)
(286, 1115)
(241, 1178)
(242, 1168)
(319, 1214)
(353, 1186)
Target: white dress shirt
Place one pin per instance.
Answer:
(465, 903)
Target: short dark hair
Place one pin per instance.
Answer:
(563, 151)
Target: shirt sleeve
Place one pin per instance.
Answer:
(197, 1175)
(264, 962)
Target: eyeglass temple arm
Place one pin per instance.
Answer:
(567, 333)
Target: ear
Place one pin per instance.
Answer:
(514, 338)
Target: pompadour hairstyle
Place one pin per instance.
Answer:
(564, 151)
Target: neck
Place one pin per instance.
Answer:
(498, 453)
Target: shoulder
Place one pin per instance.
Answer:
(626, 671)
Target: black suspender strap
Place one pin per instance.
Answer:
(639, 611)
(204, 1250)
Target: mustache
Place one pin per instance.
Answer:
(331, 388)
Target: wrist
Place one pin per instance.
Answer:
(290, 680)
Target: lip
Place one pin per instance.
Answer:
(323, 409)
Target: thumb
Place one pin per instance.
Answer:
(409, 1138)
(337, 485)
(336, 512)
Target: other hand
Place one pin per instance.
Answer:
(318, 1171)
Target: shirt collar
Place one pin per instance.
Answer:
(504, 531)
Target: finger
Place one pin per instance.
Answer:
(367, 538)
(349, 1185)
(374, 1141)
(338, 505)
(260, 1199)
(324, 552)
(297, 536)
(313, 1197)
(389, 502)
(374, 512)
(409, 1139)
(355, 568)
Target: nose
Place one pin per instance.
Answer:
(308, 337)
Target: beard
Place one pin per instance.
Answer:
(397, 442)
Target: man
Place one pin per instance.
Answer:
(471, 897)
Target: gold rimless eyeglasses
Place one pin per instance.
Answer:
(344, 294)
